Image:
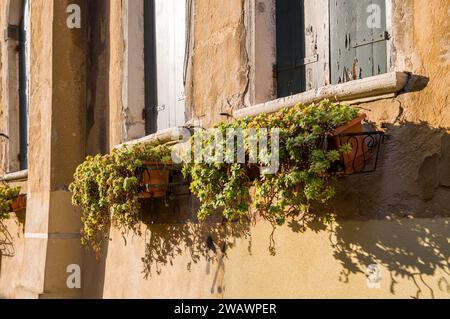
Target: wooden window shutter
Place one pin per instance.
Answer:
(302, 45)
(165, 32)
(358, 32)
(290, 35)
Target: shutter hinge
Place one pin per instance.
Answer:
(384, 36)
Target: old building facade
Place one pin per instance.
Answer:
(79, 77)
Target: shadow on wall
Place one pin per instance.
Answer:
(412, 182)
(411, 249)
(6, 242)
(7, 248)
(94, 272)
(171, 232)
(412, 179)
(6, 239)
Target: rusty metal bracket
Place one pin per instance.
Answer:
(384, 36)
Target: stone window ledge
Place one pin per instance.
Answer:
(169, 135)
(359, 91)
(15, 177)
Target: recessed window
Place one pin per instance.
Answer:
(329, 42)
(17, 89)
(359, 37)
(165, 42)
(23, 85)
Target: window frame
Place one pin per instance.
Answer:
(261, 30)
(16, 76)
(132, 112)
(24, 84)
(177, 74)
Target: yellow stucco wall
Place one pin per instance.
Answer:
(412, 256)
(399, 214)
(396, 206)
(12, 243)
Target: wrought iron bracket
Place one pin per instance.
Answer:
(365, 154)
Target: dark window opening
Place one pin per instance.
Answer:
(23, 89)
(290, 35)
(151, 89)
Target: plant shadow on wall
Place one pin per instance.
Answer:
(172, 230)
(10, 201)
(406, 201)
(280, 164)
(274, 165)
(409, 250)
(298, 182)
(110, 191)
(6, 242)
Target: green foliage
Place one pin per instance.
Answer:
(106, 188)
(304, 176)
(7, 195)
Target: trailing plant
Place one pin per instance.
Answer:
(7, 195)
(106, 188)
(305, 175)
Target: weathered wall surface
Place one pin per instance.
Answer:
(11, 254)
(3, 91)
(56, 147)
(9, 100)
(414, 175)
(219, 74)
(116, 63)
(187, 260)
(395, 218)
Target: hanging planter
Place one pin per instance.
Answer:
(19, 203)
(108, 187)
(10, 200)
(153, 180)
(365, 146)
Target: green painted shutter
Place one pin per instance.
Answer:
(358, 46)
(302, 45)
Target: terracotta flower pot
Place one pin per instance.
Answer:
(19, 203)
(154, 180)
(356, 160)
